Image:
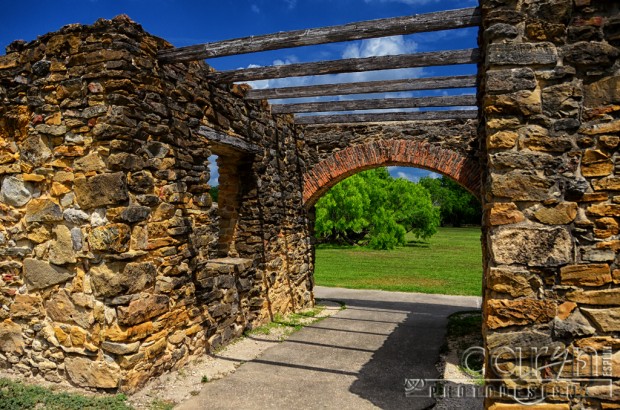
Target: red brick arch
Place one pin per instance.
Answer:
(351, 160)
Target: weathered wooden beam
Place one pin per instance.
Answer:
(442, 20)
(407, 84)
(351, 65)
(387, 117)
(375, 104)
(228, 141)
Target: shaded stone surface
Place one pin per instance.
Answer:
(112, 237)
(608, 320)
(61, 251)
(576, 325)
(61, 308)
(530, 341)
(35, 151)
(101, 190)
(113, 279)
(142, 309)
(43, 210)
(40, 274)
(510, 80)
(521, 186)
(522, 54)
(514, 282)
(120, 348)
(560, 214)
(14, 191)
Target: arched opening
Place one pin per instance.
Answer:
(376, 229)
(393, 152)
(445, 264)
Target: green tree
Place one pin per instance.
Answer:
(458, 206)
(214, 192)
(372, 208)
(413, 208)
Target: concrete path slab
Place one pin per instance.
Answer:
(356, 359)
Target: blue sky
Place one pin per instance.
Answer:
(192, 22)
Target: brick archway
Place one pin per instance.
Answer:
(415, 153)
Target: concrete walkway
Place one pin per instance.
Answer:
(356, 359)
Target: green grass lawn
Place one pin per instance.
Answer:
(450, 263)
(19, 396)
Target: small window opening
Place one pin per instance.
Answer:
(214, 174)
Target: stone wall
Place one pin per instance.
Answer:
(335, 152)
(550, 110)
(115, 265)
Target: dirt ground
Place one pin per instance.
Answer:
(456, 378)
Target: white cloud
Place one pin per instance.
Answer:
(402, 175)
(292, 59)
(411, 173)
(383, 46)
(255, 9)
(291, 4)
(359, 49)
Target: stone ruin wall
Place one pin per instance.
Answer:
(335, 152)
(112, 255)
(551, 114)
(115, 265)
(455, 135)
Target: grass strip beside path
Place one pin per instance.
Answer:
(18, 396)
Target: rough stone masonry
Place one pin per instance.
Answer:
(116, 266)
(550, 119)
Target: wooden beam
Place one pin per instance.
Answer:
(407, 84)
(387, 117)
(442, 20)
(434, 58)
(228, 141)
(376, 104)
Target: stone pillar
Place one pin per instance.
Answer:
(550, 112)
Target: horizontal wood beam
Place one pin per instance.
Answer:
(351, 65)
(375, 104)
(407, 84)
(387, 117)
(442, 20)
(228, 141)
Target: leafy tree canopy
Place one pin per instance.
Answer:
(372, 208)
(458, 206)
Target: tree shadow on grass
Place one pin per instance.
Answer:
(417, 244)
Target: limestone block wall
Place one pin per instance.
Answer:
(115, 265)
(338, 151)
(550, 112)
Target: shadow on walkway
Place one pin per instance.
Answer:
(410, 351)
(357, 359)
